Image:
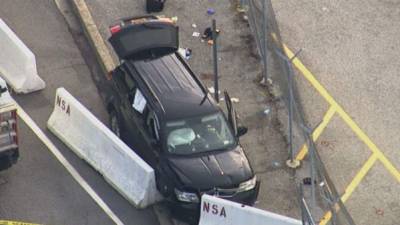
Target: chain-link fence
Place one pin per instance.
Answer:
(319, 200)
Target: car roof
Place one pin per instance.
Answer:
(180, 93)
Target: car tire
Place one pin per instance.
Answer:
(115, 123)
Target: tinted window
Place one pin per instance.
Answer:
(147, 38)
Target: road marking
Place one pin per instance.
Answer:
(53, 149)
(8, 222)
(317, 132)
(353, 185)
(356, 129)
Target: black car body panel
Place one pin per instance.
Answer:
(180, 93)
(172, 92)
(224, 169)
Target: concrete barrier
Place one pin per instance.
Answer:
(17, 63)
(216, 211)
(95, 143)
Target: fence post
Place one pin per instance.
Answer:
(214, 38)
(264, 41)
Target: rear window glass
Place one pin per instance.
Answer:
(147, 38)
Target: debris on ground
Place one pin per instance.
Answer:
(207, 34)
(196, 34)
(206, 76)
(235, 100)
(379, 211)
(194, 25)
(276, 164)
(267, 110)
(186, 53)
(210, 11)
(307, 181)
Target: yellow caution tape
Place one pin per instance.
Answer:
(7, 222)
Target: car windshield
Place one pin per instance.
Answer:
(201, 134)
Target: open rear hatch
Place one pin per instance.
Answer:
(144, 37)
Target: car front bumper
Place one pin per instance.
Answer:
(190, 212)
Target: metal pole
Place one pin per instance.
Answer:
(215, 58)
(263, 37)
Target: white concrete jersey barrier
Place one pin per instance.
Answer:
(17, 63)
(216, 211)
(95, 143)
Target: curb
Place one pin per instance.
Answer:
(107, 64)
(92, 33)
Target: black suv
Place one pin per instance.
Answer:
(162, 110)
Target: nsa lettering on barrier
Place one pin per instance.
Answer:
(216, 211)
(18, 63)
(96, 144)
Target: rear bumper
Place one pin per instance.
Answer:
(190, 212)
(8, 158)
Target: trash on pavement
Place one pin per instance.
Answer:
(267, 110)
(210, 11)
(186, 53)
(207, 76)
(194, 25)
(235, 100)
(207, 34)
(196, 34)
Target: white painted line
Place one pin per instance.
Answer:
(53, 149)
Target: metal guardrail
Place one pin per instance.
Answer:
(262, 21)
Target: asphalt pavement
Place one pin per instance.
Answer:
(352, 48)
(38, 188)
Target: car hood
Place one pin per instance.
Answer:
(224, 169)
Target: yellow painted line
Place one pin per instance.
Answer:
(310, 77)
(353, 185)
(7, 222)
(317, 132)
(359, 176)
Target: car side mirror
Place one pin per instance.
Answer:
(241, 131)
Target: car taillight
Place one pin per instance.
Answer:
(8, 130)
(115, 29)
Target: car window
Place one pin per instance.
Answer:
(200, 134)
(152, 125)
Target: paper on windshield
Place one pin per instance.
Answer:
(139, 102)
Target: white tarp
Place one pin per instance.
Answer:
(95, 143)
(216, 211)
(17, 63)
